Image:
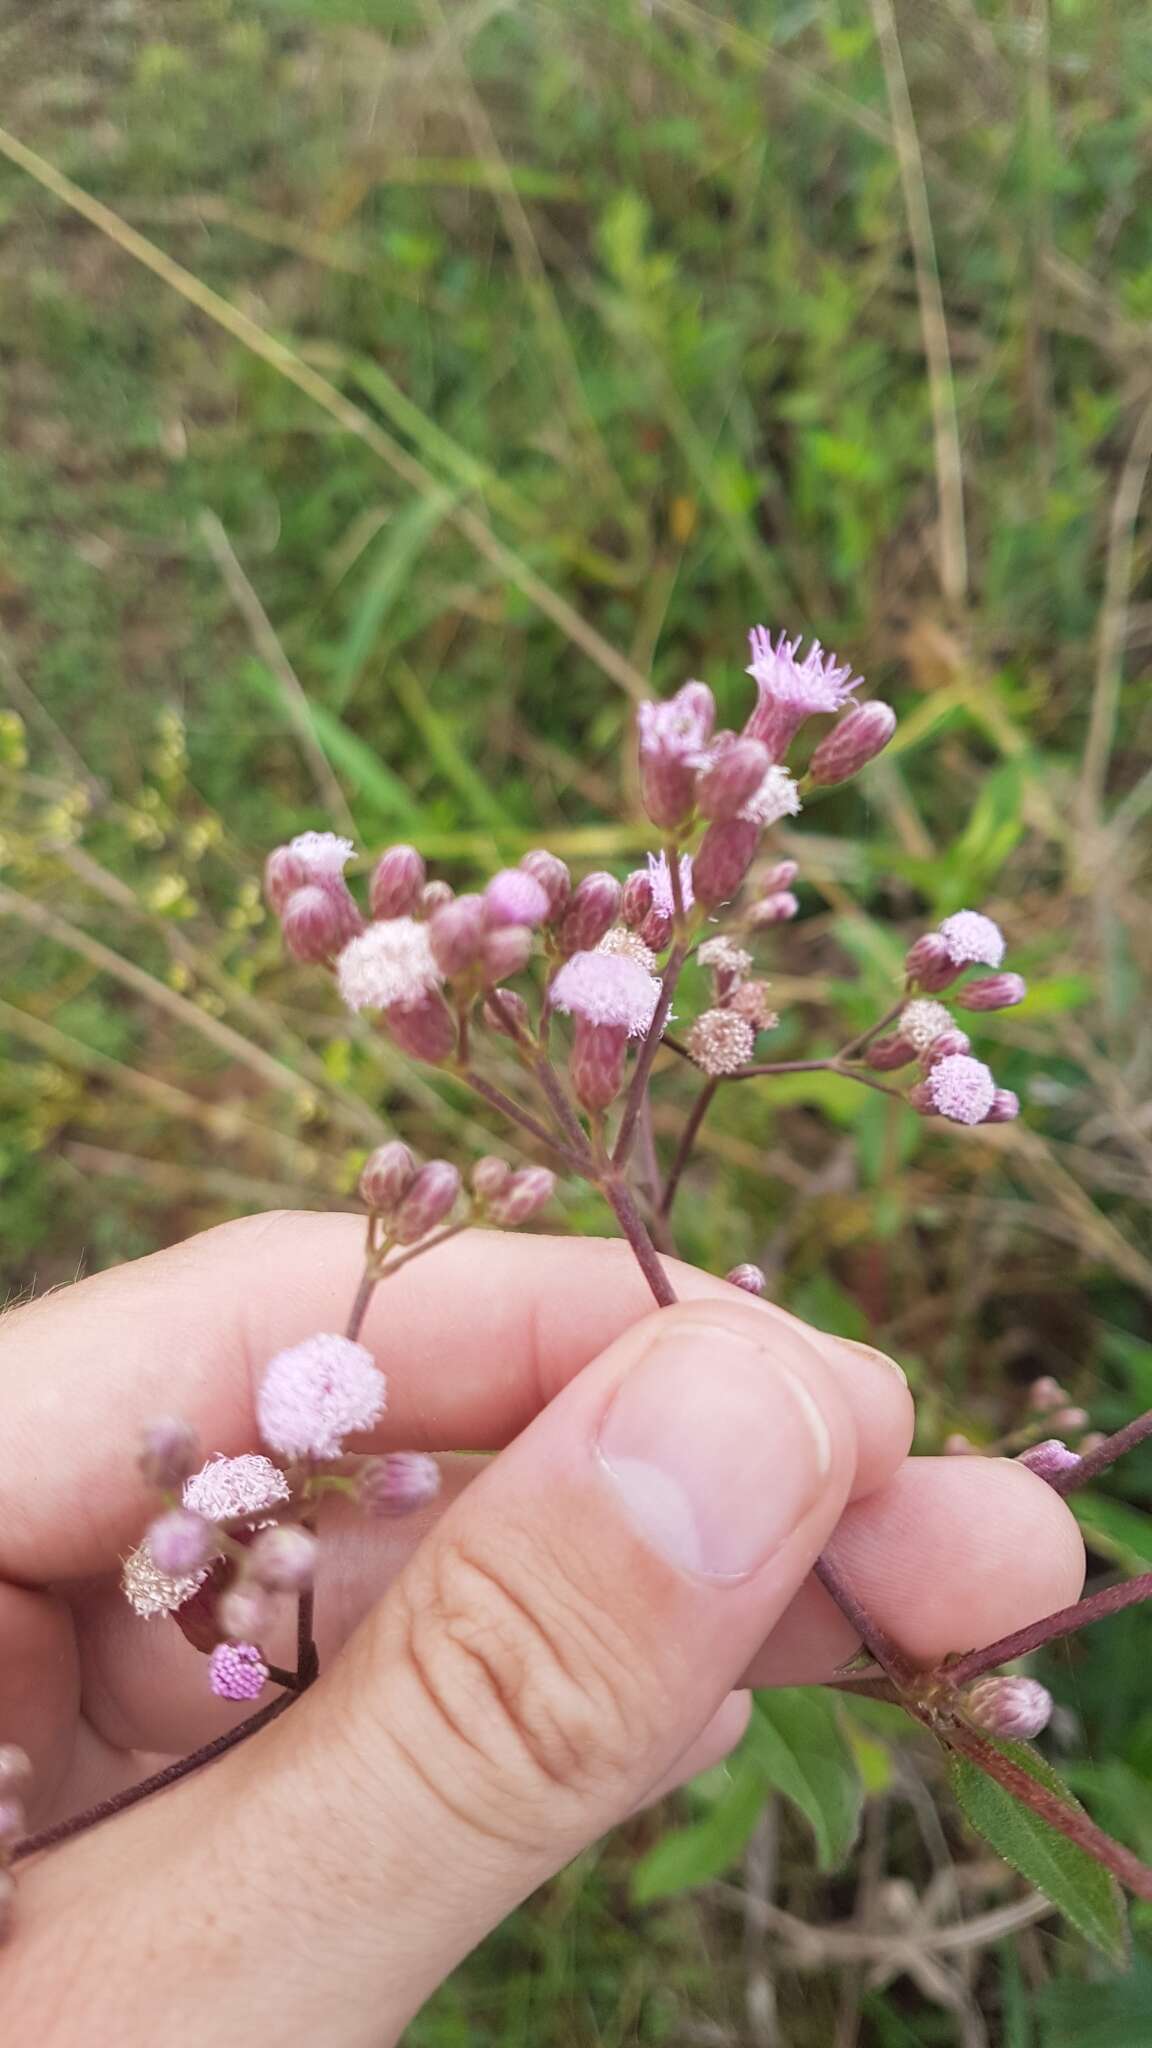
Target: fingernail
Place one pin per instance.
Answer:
(866, 1351)
(716, 1450)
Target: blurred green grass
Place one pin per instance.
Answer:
(648, 294)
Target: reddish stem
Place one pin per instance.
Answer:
(1067, 1820)
(619, 1197)
(647, 1053)
(876, 1640)
(1092, 1463)
(1065, 1621)
(575, 1161)
(688, 1137)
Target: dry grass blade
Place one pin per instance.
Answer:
(1112, 633)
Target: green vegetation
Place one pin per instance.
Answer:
(638, 323)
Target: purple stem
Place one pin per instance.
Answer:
(512, 1110)
(1092, 1463)
(1065, 1621)
(1067, 1820)
(647, 1053)
(688, 1137)
(619, 1196)
(876, 1640)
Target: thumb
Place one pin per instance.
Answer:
(573, 1623)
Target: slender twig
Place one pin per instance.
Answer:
(1071, 1821)
(688, 1137)
(525, 1119)
(647, 1053)
(619, 1197)
(857, 1045)
(1092, 1463)
(876, 1640)
(1065, 1622)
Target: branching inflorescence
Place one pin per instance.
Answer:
(574, 982)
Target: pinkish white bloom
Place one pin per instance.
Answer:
(181, 1542)
(721, 1042)
(150, 1591)
(400, 1484)
(605, 988)
(922, 1021)
(322, 856)
(316, 1393)
(237, 1671)
(972, 939)
(791, 690)
(752, 999)
(723, 957)
(389, 964)
(961, 1089)
(628, 945)
(227, 1488)
(661, 878)
(674, 738)
(514, 896)
(777, 797)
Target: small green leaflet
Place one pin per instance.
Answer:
(1086, 1893)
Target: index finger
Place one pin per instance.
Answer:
(474, 1340)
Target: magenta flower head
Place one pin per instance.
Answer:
(283, 1559)
(181, 1542)
(1050, 1459)
(387, 1175)
(749, 1279)
(390, 964)
(724, 858)
(169, 1451)
(316, 1393)
(429, 1201)
(237, 1671)
(515, 897)
(960, 1088)
(397, 881)
(455, 934)
(425, 1029)
(660, 876)
(862, 734)
(995, 992)
(316, 924)
(399, 1484)
(929, 964)
(790, 690)
(721, 1042)
(553, 876)
(1016, 1709)
(972, 939)
(592, 910)
(522, 1197)
(732, 775)
(674, 739)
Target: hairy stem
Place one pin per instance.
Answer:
(1065, 1622)
(876, 1640)
(688, 1137)
(1094, 1462)
(1067, 1820)
(647, 1053)
(619, 1196)
(575, 1161)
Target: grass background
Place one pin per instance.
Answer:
(635, 323)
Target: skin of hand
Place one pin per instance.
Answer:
(562, 1638)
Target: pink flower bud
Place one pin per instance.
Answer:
(673, 739)
(1071, 1418)
(284, 873)
(861, 734)
(316, 1393)
(1005, 1107)
(523, 1197)
(399, 1484)
(1046, 1393)
(317, 923)
(180, 1542)
(725, 856)
(243, 1612)
(13, 1823)
(959, 1446)
(237, 1671)
(886, 1054)
(778, 908)
(396, 882)
(781, 876)
(597, 1062)
(753, 1000)
(425, 1030)
(656, 929)
(591, 912)
(553, 877)
(945, 1046)
(15, 1768)
(930, 964)
(434, 896)
(636, 901)
(725, 786)
(509, 1015)
(749, 1278)
(1049, 1459)
(506, 952)
(455, 933)
(1014, 1708)
(430, 1199)
(169, 1451)
(387, 1174)
(515, 897)
(995, 992)
(489, 1177)
(281, 1560)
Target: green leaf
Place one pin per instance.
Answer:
(692, 1855)
(799, 1743)
(1115, 1530)
(1082, 1889)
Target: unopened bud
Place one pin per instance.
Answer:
(317, 923)
(284, 873)
(282, 1560)
(515, 897)
(434, 896)
(656, 929)
(1070, 1418)
(946, 1046)
(553, 876)
(425, 1030)
(636, 901)
(399, 1484)
(169, 1451)
(885, 1055)
(725, 786)
(930, 964)
(431, 1197)
(959, 1446)
(15, 1768)
(180, 1542)
(752, 999)
(489, 1177)
(725, 856)
(455, 934)
(779, 908)
(1013, 1708)
(386, 1177)
(592, 911)
(995, 992)
(1045, 1393)
(748, 1278)
(597, 1062)
(397, 881)
(506, 952)
(1005, 1107)
(1050, 1459)
(860, 735)
(523, 1197)
(243, 1612)
(508, 1013)
(781, 876)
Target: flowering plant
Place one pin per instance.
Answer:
(575, 983)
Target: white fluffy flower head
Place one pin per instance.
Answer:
(721, 954)
(607, 988)
(322, 855)
(972, 939)
(389, 963)
(721, 1042)
(628, 945)
(777, 797)
(921, 1022)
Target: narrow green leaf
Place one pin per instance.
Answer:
(692, 1855)
(1082, 1889)
(797, 1739)
(348, 753)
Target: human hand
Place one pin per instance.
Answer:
(560, 1640)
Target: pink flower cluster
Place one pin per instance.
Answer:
(954, 1084)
